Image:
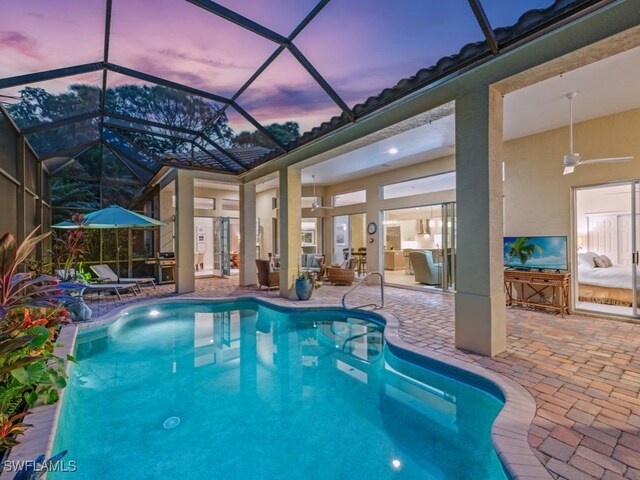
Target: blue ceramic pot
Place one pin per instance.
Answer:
(304, 288)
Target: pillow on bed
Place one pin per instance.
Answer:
(606, 260)
(587, 259)
(602, 261)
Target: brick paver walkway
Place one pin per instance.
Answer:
(583, 372)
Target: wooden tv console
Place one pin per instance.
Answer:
(543, 289)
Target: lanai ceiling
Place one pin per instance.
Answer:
(241, 65)
(605, 87)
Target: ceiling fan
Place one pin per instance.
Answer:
(573, 159)
(314, 205)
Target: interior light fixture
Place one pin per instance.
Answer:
(396, 464)
(154, 313)
(393, 150)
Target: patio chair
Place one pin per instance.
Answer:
(104, 271)
(338, 275)
(424, 268)
(265, 277)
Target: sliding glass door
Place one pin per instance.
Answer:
(420, 247)
(607, 238)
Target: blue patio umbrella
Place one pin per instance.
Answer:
(113, 217)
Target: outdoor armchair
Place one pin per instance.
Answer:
(425, 269)
(267, 278)
(338, 275)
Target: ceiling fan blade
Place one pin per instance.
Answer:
(607, 160)
(568, 170)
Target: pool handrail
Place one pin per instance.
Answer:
(374, 305)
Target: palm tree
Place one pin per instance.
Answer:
(523, 249)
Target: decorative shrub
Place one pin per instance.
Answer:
(31, 312)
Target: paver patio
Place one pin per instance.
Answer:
(583, 372)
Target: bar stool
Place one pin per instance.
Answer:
(408, 268)
(362, 260)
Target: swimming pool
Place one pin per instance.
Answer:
(244, 391)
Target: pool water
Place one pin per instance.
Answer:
(242, 391)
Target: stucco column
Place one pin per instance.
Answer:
(186, 276)
(290, 204)
(480, 301)
(248, 234)
(374, 242)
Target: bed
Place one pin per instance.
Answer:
(610, 285)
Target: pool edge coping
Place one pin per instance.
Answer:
(509, 432)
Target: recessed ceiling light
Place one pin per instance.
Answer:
(393, 150)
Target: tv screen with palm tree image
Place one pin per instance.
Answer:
(548, 253)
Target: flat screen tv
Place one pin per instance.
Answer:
(549, 253)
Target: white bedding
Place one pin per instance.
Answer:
(616, 276)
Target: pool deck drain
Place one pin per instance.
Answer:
(171, 423)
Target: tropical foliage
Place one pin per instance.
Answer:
(69, 248)
(31, 312)
(283, 132)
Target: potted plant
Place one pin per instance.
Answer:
(305, 284)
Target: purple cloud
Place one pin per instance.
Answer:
(285, 99)
(20, 43)
(170, 53)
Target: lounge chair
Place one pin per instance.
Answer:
(104, 271)
(116, 288)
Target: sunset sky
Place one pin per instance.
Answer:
(359, 46)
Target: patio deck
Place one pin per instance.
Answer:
(583, 372)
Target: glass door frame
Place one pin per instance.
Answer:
(635, 246)
(449, 230)
(634, 186)
(217, 246)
